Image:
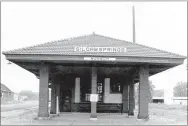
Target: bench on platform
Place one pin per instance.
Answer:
(101, 107)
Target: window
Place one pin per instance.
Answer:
(115, 87)
(99, 88)
(100, 91)
(87, 97)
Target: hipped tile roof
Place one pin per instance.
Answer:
(66, 47)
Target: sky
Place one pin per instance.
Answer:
(162, 25)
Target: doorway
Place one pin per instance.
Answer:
(66, 100)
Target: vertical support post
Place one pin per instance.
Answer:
(125, 96)
(57, 98)
(131, 98)
(106, 89)
(57, 105)
(43, 91)
(77, 90)
(143, 93)
(53, 99)
(93, 91)
(73, 94)
(73, 105)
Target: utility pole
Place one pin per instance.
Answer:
(134, 34)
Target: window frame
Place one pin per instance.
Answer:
(113, 83)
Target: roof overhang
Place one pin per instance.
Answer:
(78, 54)
(98, 59)
(32, 62)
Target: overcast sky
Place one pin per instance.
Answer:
(162, 25)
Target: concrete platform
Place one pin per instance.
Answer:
(103, 119)
(159, 115)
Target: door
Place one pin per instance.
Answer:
(66, 100)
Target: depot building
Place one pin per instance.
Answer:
(93, 73)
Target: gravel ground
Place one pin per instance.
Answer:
(17, 106)
(18, 117)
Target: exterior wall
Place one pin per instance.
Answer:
(16, 97)
(7, 96)
(10, 96)
(108, 97)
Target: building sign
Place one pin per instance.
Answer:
(100, 49)
(93, 97)
(99, 58)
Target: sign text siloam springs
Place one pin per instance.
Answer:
(100, 49)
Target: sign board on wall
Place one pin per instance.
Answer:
(99, 58)
(93, 97)
(100, 49)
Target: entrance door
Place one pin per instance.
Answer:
(66, 100)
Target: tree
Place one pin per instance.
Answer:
(180, 90)
(151, 90)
